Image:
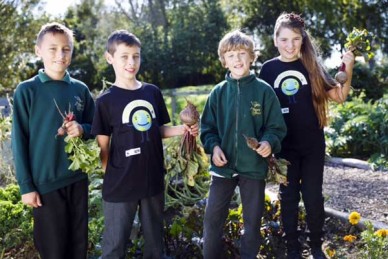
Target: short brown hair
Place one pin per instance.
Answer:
(236, 40)
(121, 36)
(54, 27)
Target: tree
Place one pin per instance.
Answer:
(179, 40)
(84, 19)
(328, 21)
(18, 32)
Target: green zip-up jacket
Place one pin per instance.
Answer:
(246, 106)
(40, 160)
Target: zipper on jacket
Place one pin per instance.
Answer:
(236, 132)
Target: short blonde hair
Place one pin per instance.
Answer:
(54, 28)
(236, 40)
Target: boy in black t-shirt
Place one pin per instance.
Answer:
(129, 124)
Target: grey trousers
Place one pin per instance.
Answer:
(216, 212)
(119, 219)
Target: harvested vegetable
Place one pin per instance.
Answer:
(189, 116)
(84, 154)
(67, 117)
(187, 181)
(358, 41)
(277, 167)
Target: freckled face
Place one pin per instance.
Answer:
(238, 62)
(289, 43)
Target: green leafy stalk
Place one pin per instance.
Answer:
(359, 41)
(84, 154)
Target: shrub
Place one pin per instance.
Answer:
(358, 130)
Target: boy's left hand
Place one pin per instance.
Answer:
(264, 149)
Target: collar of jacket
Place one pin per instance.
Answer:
(242, 81)
(45, 78)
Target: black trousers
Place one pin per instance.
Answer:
(305, 177)
(61, 224)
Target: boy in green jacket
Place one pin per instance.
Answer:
(240, 105)
(59, 197)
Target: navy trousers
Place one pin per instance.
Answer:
(305, 177)
(216, 212)
(61, 224)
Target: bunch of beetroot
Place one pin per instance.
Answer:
(358, 41)
(67, 117)
(189, 116)
(277, 167)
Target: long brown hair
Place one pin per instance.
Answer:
(320, 80)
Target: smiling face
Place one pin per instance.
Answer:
(55, 50)
(125, 61)
(238, 62)
(289, 43)
(290, 86)
(141, 120)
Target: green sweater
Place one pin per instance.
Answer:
(40, 160)
(246, 106)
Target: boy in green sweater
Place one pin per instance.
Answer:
(240, 105)
(59, 197)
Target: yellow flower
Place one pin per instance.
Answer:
(354, 218)
(382, 232)
(350, 238)
(330, 252)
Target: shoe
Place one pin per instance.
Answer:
(293, 254)
(316, 253)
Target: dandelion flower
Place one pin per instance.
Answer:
(350, 238)
(354, 218)
(382, 232)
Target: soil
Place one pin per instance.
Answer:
(347, 189)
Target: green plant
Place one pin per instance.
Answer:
(84, 154)
(358, 130)
(186, 181)
(15, 219)
(183, 232)
(375, 245)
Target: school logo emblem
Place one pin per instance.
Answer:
(255, 108)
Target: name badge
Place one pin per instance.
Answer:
(132, 152)
(285, 110)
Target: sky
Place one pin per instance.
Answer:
(59, 7)
(55, 7)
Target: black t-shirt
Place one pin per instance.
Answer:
(132, 119)
(292, 86)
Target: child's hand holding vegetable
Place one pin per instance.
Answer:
(358, 42)
(264, 149)
(73, 129)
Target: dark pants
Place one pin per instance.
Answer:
(305, 177)
(61, 224)
(217, 209)
(119, 219)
